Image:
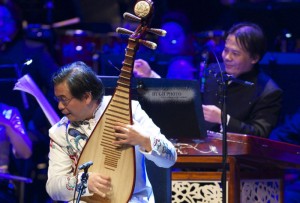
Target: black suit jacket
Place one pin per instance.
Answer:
(253, 110)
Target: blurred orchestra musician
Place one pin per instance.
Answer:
(13, 139)
(178, 69)
(15, 50)
(178, 38)
(175, 49)
(289, 131)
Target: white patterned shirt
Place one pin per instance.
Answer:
(65, 150)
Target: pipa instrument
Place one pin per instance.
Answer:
(108, 159)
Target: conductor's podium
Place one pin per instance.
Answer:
(255, 169)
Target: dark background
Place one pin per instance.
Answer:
(104, 49)
(275, 17)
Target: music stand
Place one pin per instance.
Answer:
(9, 73)
(174, 105)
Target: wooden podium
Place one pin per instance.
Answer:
(256, 168)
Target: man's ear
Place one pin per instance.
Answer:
(255, 59)
(88, 97)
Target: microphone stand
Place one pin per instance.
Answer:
(224, 140)
(84, 178)
(225, 78)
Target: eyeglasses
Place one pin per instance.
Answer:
(65, 101)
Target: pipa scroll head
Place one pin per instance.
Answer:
(143, 8)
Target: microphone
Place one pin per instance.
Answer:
(242, 82)
(84, 178)
(85, 165)
(229, 77)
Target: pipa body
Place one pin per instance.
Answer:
(108, 159)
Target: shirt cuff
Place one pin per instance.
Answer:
(221, 128)
(154, 74)
(228, 118)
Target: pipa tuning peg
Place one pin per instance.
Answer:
(131, 17)
(159, 32)
(124, 31)
(148, 44)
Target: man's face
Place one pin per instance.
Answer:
(236, 59)
(8, 27)
(73, 108)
